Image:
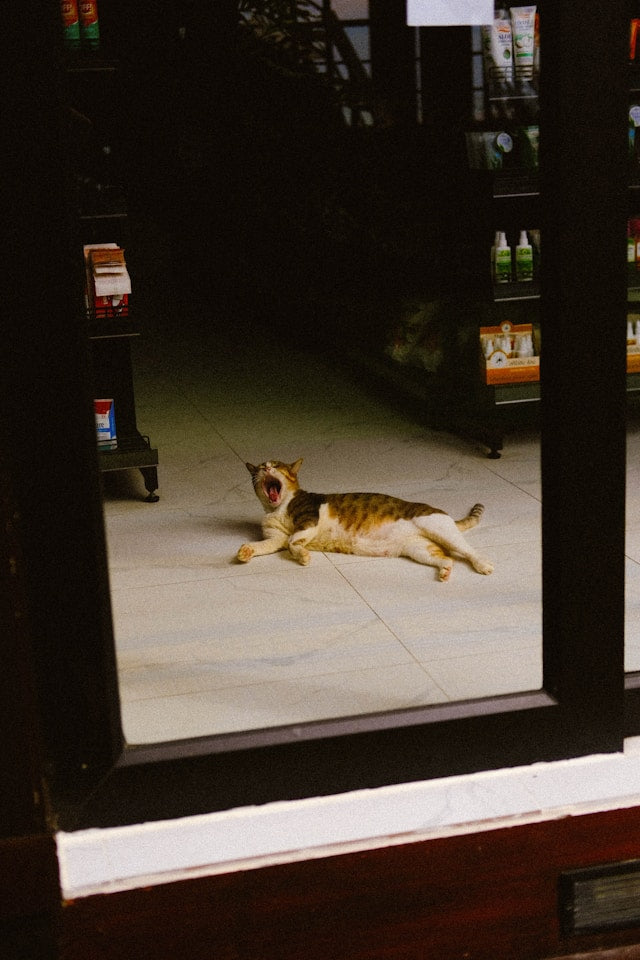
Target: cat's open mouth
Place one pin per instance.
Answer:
(272, 488)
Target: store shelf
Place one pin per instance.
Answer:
(503, 292)
(83, 59)
(634, 78)
(633, 382)
(133, 452)
(507, 393)
(100, 203)
(515, 183)
(105, 327)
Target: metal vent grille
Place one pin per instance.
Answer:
(600, 898)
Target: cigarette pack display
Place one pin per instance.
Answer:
(108, 284)
(105, 424)
(508, 354)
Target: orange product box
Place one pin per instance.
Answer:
(633, 359)
(507, 354)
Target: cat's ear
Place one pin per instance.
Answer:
(250, 467)
(294, 467)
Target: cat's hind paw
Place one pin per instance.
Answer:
(482, 565)
(444, 572)
(301, 555)
(245, 553)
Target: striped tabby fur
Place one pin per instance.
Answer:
(367, 524)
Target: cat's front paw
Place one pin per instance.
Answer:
(303, 557)
(484, 566)
(245, 553)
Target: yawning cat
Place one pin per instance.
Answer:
(367, 524)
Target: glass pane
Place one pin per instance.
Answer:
(207, 645)
(632, 542)
(632, 584)
(283, 319)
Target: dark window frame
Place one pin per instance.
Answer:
(95, 778)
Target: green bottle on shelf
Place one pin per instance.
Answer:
(524, 258)
(503, 260)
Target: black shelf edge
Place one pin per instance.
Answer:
(84, 59)
(633, 383)
(108, 328)
(103, 215)
(634, 76)
(507, 393)
(517, 290)
(515, 184)
(517, 392)
(130, 452)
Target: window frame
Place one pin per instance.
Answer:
(95, 778)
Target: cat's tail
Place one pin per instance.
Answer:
(472, 518)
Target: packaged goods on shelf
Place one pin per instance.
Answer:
(89, 24)
(70, 23)
(517, 149)
(80, 24)
(108, 284)
(634, 46)
(417, 337)
(633, 343)
(105, 424)
(508, 354)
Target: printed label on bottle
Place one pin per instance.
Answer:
(503, 265)
(524, 264)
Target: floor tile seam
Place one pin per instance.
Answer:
(204, 418)
(517, 486)
(520, 645)
(179, 398)
(478, 657)
(234, 571)
(274, 681)
(383, 621)
(435, 683)
(357, 620)
(118, 588)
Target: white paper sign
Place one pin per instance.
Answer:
(449, 13)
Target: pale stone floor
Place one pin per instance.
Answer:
(206, 645)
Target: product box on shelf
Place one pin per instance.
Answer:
(105, 424)
(508, 354)
(108, 284)
(633, 343)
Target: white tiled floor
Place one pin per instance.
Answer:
(207, 645)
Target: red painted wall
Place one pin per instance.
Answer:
(485, 896)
